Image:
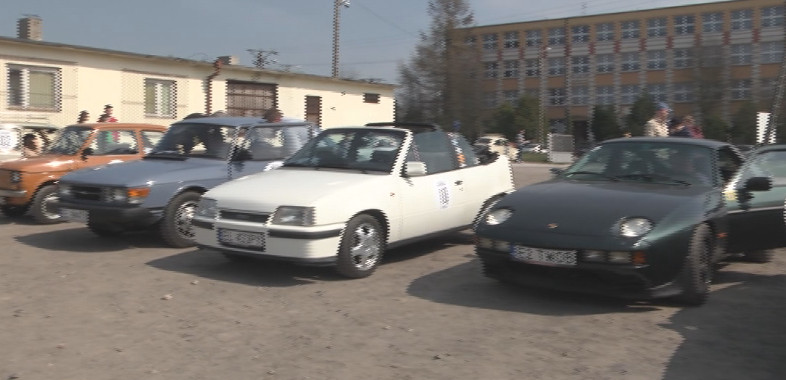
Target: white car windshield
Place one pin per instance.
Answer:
(365, 150)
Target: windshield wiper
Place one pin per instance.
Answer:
(650, 177)
(610, 178)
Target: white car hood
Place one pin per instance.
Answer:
(265, 191)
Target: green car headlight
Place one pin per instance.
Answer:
(294, 216)
(207, 208)
(498, 216)
(635, 227)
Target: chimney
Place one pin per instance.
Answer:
(29, 28)
(228, 59)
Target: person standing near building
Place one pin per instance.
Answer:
(84, 116)
(694, 129)
(658, 126)
(107, 117)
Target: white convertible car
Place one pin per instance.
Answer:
(351, 193)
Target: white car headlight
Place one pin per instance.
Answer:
(207, 208)
(498, 216)
(635, 227)
(294, 216)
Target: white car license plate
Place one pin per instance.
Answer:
(71, 215)
(544, 256)
(241, 238)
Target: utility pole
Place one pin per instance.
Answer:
(777, 102)
(336, 15)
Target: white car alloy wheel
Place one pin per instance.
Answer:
(361, 247)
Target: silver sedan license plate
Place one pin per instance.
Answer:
(544, 256)
(241, 238)
(73, 215)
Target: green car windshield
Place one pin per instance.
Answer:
(657, 162)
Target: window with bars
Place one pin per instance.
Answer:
(579, 96)
(557, 36)
(511, 69)
(160, 98)
(250, 98)
(742, 19)
(490, 41)
(369, 97)
(683, 58)
(740, 89)
(580, 64)
(556, 66)
(712, 22)
(772, 17)
(580, 34)
(604, 32)
(534, 37)
(314, 109)
(630, 61)
(656, 27)
(657, 91)
(682, 92)
(510, 96)
(532, 67)
(557, 96)
(656, 60)
(741, 54)
(604, 63)
(511, 40)
(34, 87)
(629, 93)
(604, 95)
(684, 24)
(771, 52)
(630, 29)
(490, 69)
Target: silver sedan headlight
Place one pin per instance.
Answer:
(207, 208)
(294, 216)
(635, 227)
(498, 216)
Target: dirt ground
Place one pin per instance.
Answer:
(74, 306)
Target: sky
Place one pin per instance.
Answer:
(376, 36)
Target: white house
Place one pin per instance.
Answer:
(56, 81)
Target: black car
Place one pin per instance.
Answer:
(640, 218)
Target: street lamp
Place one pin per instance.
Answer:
(336, 14)
(542, 109)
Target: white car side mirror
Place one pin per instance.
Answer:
(414, 168)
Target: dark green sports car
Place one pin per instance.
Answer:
(639, 218)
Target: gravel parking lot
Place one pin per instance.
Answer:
(75, 306)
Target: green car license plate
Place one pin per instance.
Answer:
(544, 256)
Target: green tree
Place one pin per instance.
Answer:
(641, 111)
(743, 124)
(715, 128)
(425, 87)
(508, 119)
(604, 123)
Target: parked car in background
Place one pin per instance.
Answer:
(12, 135)
(30, 184)
(533, 148)
(162, 190)
(498, 144)
(350, 194)
(640, 218)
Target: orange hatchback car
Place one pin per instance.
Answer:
(30, 183)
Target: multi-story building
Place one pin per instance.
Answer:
(51, 81)
(675, 54)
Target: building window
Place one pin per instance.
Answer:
(557, 36)
(604, 95)
(741, 54)
(682, 92)
(685, 24)
(160, 98)
(314, 109)
(656, 27)
(712, 22)
(630, 29)
(656, 60)
(629, 93)
(556, 66)
(371, 98)
(510, 96)
(604, 63)
(490, 41)
(580, 33)
(580, 96)
(740, 89)
(604, 32)
(32, 87)
(683, 58)
(742, 19)
(490, 99)
(630, 61)
(556, 96)
(534, 38)
(532, 67)
(470, 41)
(490, 69)
(511, 40)
(658, 92)
(771, 52)
(580, 64)
(771, 17)
(511, 69)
